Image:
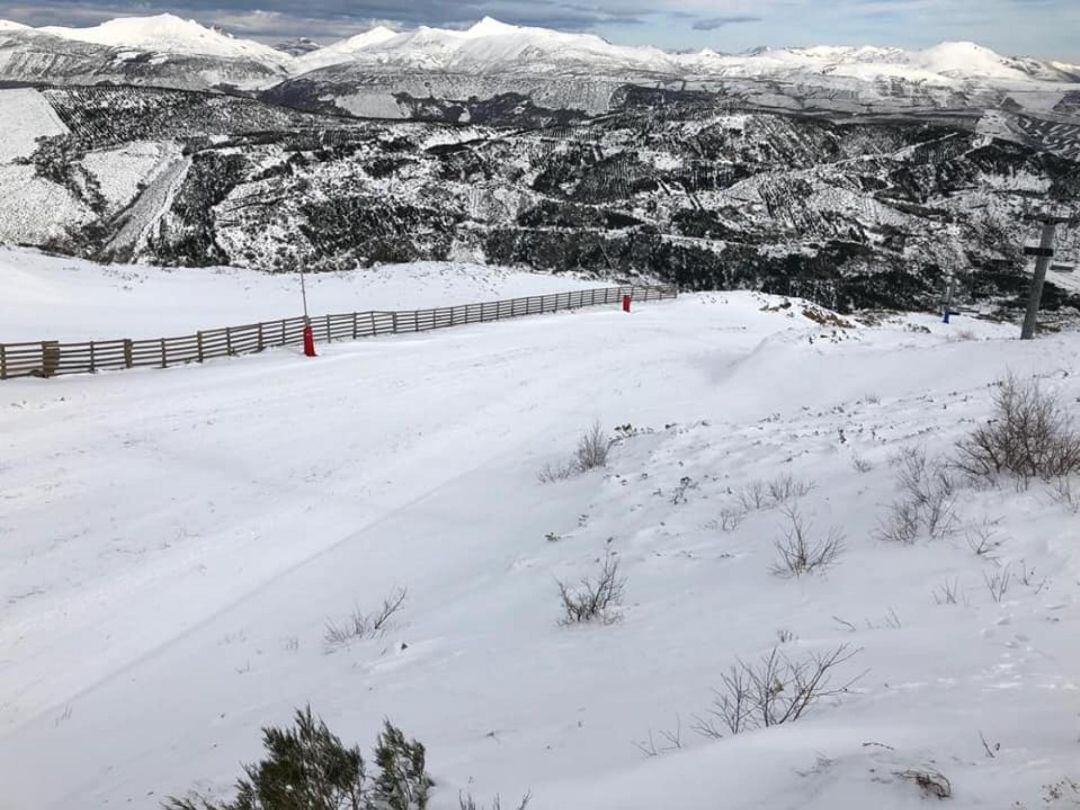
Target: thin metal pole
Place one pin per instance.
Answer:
(1042, 264)
(303, 291)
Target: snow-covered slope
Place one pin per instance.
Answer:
(174, 543)
(160, 51)
(343, 50)
(75, 300)
(947, 63)
(493, 46)
(167, 33)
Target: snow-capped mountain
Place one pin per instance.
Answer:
(945, 64)
(492, 48)
(343, 50)
(161, 51)
(167, 33)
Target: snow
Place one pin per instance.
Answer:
(123, 171)
(174, 542)
(72, 299)
(170, 34)
(945, 64)
(966, 59)
(27, 117)
(493, 48)
(34, 210)
(344, 50)
(490, 46)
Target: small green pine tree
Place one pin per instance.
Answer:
(402, 783)
(308, 768)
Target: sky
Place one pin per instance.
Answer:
(1040, 28)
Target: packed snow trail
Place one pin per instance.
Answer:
(67, 299)
(173, 545)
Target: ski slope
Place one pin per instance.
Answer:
(172, 544)
(54, 298)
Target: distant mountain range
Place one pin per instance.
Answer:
(168, 51)
(858, 177)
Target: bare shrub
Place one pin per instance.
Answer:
(594, 599)
(360, 625)
(928, 498)
(982, 539)
(998, 583)
(670, 740)
(1027, 578)
(901, 525)
(758, 495)
(861, 464)
(730, 519)
(753, 496)
(592, 453)
(592, 449)
(1030, 435)
(556, 472)
(1064, 493)
(772, 691)
(799, 553)
(786, 487)
(949, 593)
(929, 486)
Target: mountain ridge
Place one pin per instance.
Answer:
(494, 45)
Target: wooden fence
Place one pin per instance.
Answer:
(47, 358)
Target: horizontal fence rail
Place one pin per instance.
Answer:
(47, 358)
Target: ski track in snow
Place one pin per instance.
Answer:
(173, 542)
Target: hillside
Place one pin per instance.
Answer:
(850, 212)
(177, 541)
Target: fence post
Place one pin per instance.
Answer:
(260, 338)
(328, 335)
(228, 340)
(372, 316)
(3, 362)
(93, 364)
(198, 338)
(164, 361)
(282, 331)
(354, 326)
(394, 314)
(127, 353)
(50, 357)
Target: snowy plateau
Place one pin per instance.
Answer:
(779, 481)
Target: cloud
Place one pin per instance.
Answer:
(712, 23)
